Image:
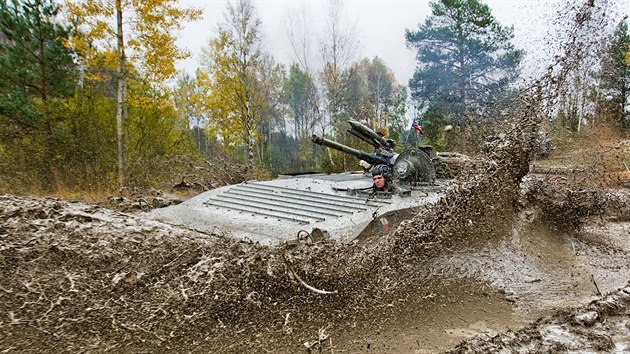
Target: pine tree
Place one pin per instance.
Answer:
(36, 67)
(465, 61)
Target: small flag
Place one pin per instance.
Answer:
(415, 126)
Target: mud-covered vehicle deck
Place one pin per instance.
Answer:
(275, 211)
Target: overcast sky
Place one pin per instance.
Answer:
(380, 26)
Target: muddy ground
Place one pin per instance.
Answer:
(78, 277)
(504, 261)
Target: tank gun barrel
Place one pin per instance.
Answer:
(371, 158)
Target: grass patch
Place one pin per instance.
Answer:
(600, 149)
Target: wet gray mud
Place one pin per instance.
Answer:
(534, 273)
(539, 268)
(489, 257)
(77, 277)
(533, 270)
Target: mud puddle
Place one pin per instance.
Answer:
(435, 316)
(500, 286)
(540, 268)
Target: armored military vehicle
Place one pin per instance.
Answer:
(310, 207)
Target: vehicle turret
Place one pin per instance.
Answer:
(411, 167)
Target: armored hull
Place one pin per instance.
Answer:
(314, 205)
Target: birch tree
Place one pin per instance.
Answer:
(337, 47)
(231, 63)
(121, 33)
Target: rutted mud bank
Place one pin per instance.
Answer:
(490, 256)
(482, 259)
(601, 326)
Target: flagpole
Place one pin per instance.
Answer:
(413, 119)
(416, 139)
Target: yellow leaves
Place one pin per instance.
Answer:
(158, 58)
(220, 100)
(134, 42)
(146, 101)
(91, 42)
(73, 10)
(99, 7)
(99, 65)
(87, 12)
(65, 42)
(164, 14)
(148, 31)
(100, 30)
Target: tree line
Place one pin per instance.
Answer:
(88, 101)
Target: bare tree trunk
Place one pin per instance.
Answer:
(337, 49)
(300, 33)
(121, 109)
(376, 120)
(249, 138)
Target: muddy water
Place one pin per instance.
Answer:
(501, 285)
(440, 314)
(540, 268)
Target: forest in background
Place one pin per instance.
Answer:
(88, 105)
